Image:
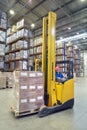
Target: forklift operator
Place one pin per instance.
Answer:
(59, 75)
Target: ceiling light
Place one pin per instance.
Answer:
(83, 0)
(61, 38)
(84, 38)
(32, 25)
(77, 33)
(12, 12)
(69, 28)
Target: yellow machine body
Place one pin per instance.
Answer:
(59, 93)
(65, 92)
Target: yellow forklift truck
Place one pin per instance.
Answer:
(58, 96)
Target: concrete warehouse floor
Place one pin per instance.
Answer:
(71, 119)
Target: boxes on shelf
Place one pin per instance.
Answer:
(37, 41)
(39, 49)
(77, 62)
(76, 56)
(31, 42)
(2, 49)
(7, 49)
(20, 24)
(12, 66)
(35, 50)
(21, 65)
(60, 45)
(69, 54)
(6, 67)
(14, 46)
(13, 37)
(61, 58)
(9, 31)
(3, 23)
(22, 54)
(28, 95)
(21, 44)
(14, 28)
(7, 57)
(3, 14)
(30, 61)
(1, 64)
(61, 51)
(2, 36)
(22, 33)
(12, 56)
(31, 51)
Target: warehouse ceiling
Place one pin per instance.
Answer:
(71, 16)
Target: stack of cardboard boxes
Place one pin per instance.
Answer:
(28, 91)
(6, 80)
(17, 49)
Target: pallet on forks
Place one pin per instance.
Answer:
(24, 113)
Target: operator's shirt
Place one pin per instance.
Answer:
(59, 75)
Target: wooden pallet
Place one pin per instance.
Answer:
(25, 113)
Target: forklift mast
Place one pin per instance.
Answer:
(49, 55)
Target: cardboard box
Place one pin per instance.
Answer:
(21, 65)
(2, 65)
(2, 36)
(9, 31)
(22, 33)
(14, 28)
(21, 44)
(3, 23)
(22, 23)
(12, 66)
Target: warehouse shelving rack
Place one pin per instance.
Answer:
(60, 57)
(77, 62)
(24, 38)
(3, 29)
